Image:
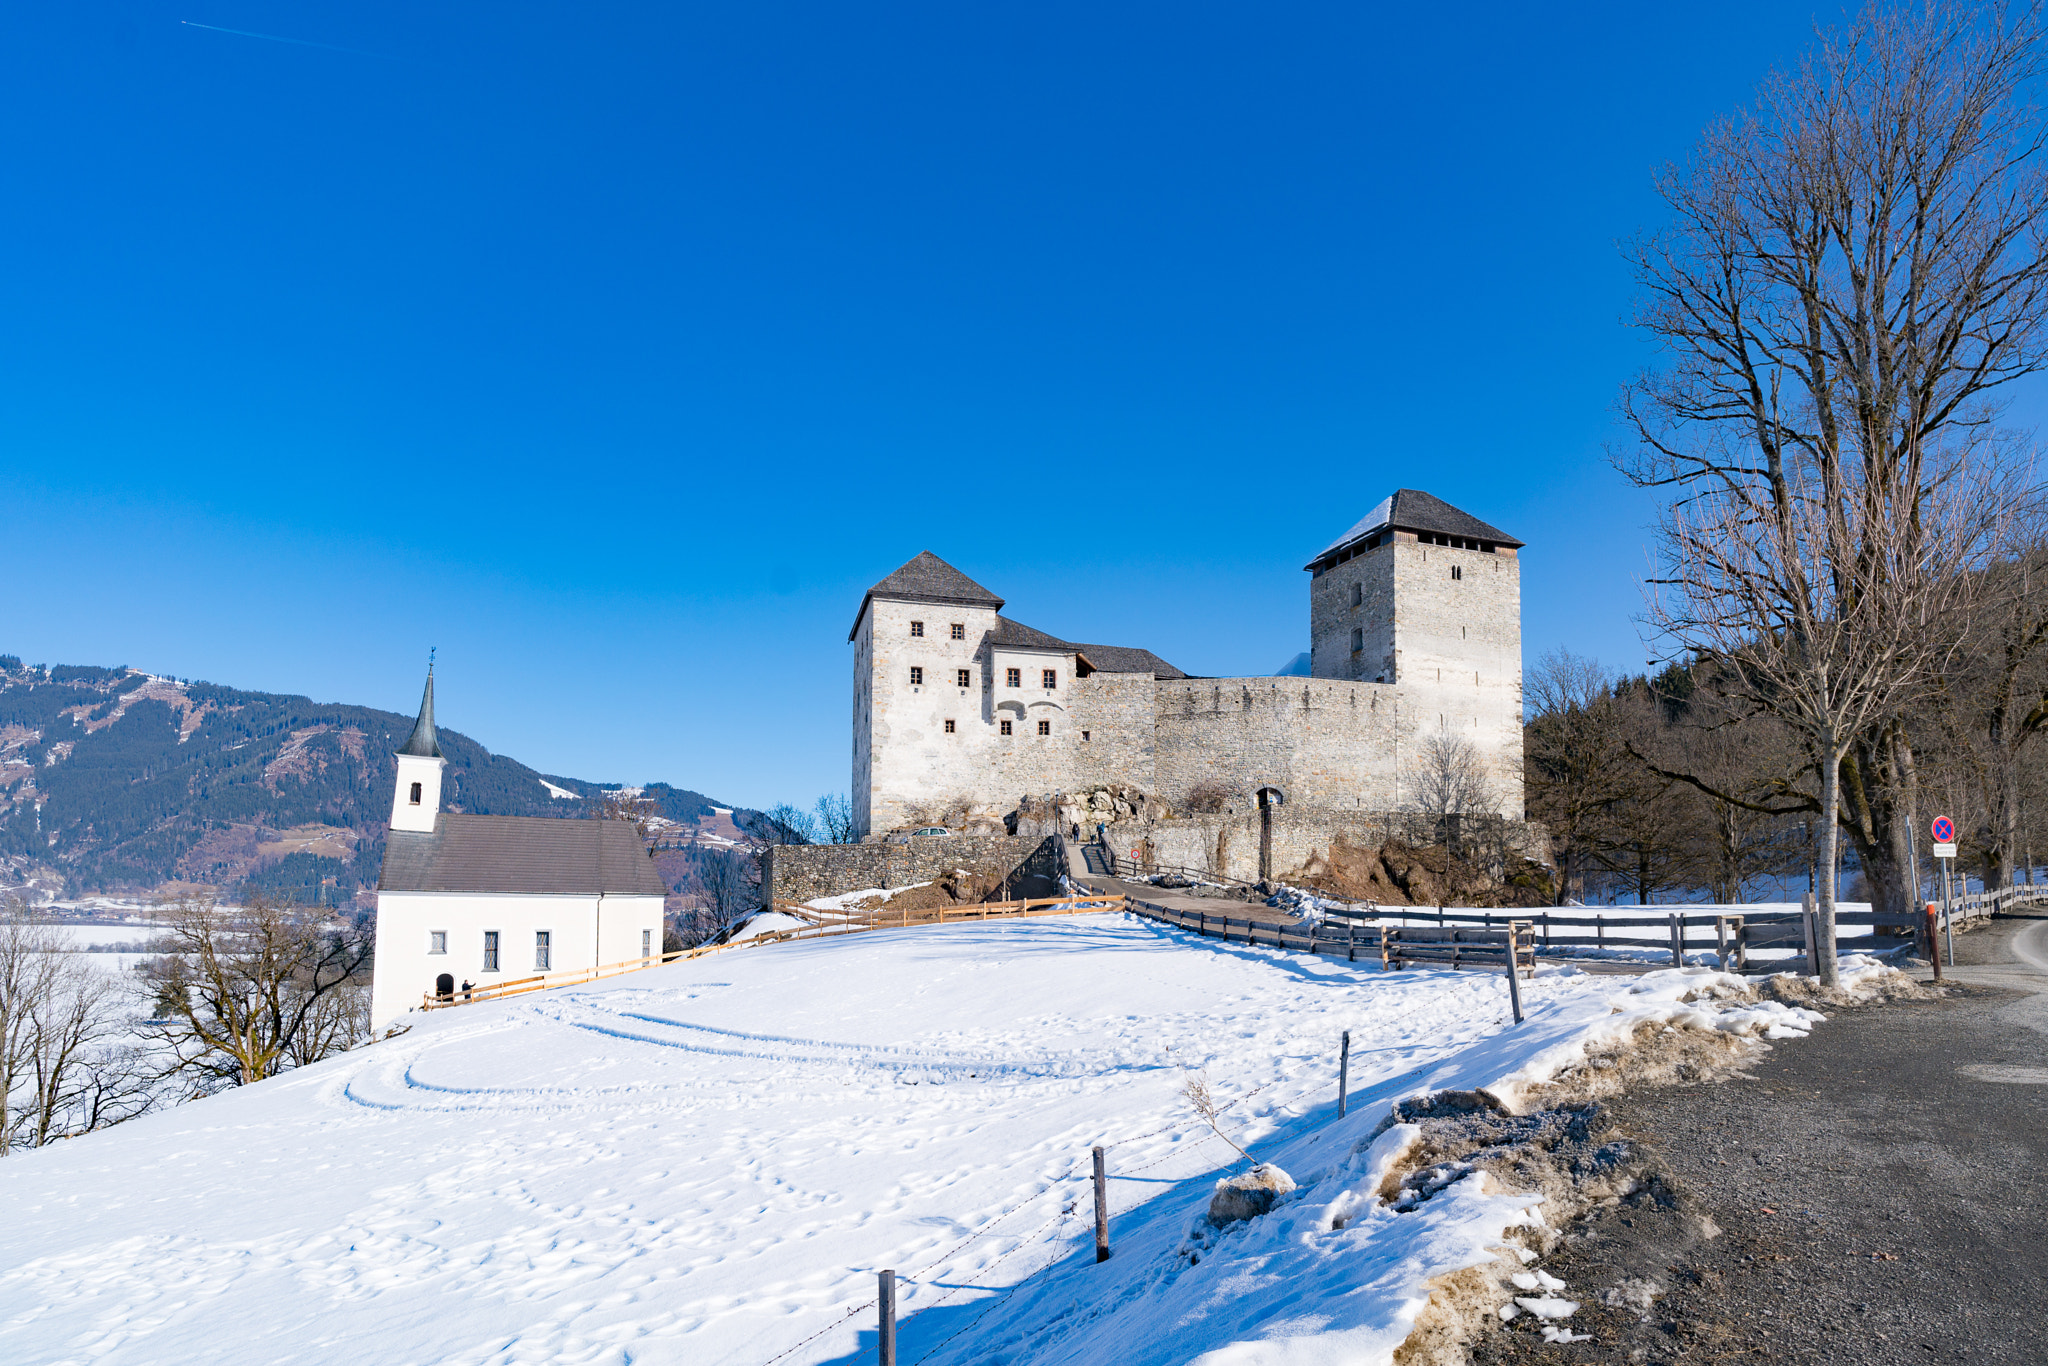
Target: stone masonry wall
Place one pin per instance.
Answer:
(1323, 743)
(1229, 844)
(799, 872)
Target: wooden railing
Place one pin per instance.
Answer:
(818, 925)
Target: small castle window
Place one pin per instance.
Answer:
(415, 794)
(966, 677)
(1357, 594)
(437, 941)
(1457, 571)
(917, 628)
(540, 951)
(949, 727)
(959, 631)
(1357, 639)
(1084, 735)
(1052, 678)
(490, 950)
(1014, 677)
(916, 675)
(1045, 727)
(1006, 727)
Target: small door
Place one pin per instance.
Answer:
(444, 986)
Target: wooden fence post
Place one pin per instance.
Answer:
(1343, 1073)
(1721, 941)
(1933, 942)
(1101, 1211)
(1677, 940)
(1741, 943)
(1514, 978)
(1351, 948)
(886, 1302)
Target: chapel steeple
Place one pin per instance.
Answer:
(417, 799)
(423, 742)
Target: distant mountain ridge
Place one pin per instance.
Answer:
(112, 779)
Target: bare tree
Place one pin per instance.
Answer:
(1854, 269)
(624, 804)
(730, 885)
(1576, 770)
(241, 985)
(1450, 777)
(27, 963)
(785, 824)
(835, 823)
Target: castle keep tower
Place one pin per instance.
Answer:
(1421, 595)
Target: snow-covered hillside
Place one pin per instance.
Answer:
(708, 1163)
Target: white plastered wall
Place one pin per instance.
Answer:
(584, 931)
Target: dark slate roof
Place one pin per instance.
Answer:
(1414, 510)
(520, 854)
(1124, 659)
(422, 741)
(1016, 635)
(927, 578)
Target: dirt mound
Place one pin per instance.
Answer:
(1396, 873)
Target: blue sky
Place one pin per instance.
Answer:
(615, 350)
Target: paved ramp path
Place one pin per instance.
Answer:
(1881, 1190)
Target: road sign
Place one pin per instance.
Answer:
(1944, 851)
(1944, 830)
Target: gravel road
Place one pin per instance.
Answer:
(1876, 1193)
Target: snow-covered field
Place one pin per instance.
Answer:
(708, 1162)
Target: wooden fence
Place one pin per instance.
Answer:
(1455, 937)
(817, 925)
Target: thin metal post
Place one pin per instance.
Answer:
(1101, 1210)
(886, 1299)
(1948, 919)
(1343, 1074)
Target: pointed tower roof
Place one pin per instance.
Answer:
(422, 741)
(927, 578)
(1414, 510)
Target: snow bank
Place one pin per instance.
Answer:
(709, 1161)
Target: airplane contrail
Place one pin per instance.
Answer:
(298, 42)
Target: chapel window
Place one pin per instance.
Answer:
(1052, 678)
(540, 951)
(1045, 727)
(1014, 677)
(415, 794)
(916, 675)
(1006, 727)
(490, 950)
(647, 943)
(959, 631)
(965, 676)
(437, 941)
(917, 628)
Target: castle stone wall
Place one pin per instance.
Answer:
(1323, 743)
(799, 872)
(1228, 844)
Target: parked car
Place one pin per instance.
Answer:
(932, 830)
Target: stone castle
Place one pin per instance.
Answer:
(1415, 631)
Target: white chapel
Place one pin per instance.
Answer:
(487, 900)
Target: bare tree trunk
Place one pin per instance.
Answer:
(1824, 936)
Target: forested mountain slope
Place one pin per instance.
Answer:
(114, 779)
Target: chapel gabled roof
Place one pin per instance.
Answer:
(927, 578)
(423, 742)
(1414, 510)
(540, 855)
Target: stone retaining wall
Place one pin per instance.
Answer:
(800, 872)
(1302, 837)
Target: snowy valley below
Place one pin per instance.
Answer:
(709, 1162)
